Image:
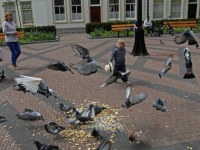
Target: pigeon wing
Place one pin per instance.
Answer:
(53, 66)
(180, 39)
(169, 60)
(30, 83)
(128, 90)
(111, 80)
(79, 64)
(105, 145)
(88, 69)
(81, 51)
(138, 98)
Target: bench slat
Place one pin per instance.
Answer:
(122, 25)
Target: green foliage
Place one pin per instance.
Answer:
(34, 36)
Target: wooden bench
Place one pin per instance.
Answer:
(20, 34)
(122, 27)
(183, 24)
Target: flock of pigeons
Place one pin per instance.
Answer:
(88, 66)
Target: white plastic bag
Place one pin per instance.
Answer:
(1, 55)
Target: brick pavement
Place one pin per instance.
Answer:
(176, 129)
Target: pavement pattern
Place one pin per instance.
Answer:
(176, 129)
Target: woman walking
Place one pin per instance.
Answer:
(11, 38)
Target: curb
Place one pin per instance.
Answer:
(45, 41)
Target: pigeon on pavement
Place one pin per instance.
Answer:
(188, 64)
(83, 116)
(45, 146)
(161, 42)
(53, 128)
(186, 36)
(2, 76)
(65, 108)
(133, 100)
(167, 66)
(159, 104)
(105, 145)
(33, 85)
(59, 66)
(30, 114)
(113, 78)
(87, 66)
(72, 121)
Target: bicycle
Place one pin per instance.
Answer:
(158, 30)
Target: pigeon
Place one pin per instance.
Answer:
(59, 66)
(167, 66)
(65, 108)
(53, 128)
(72, 121)
(133, 137)
(188, 64)
(88, 66)
(33, 85)
(2, 76)
(105, 145)
(186, 36)
(89, 111)
(95, 133)
(159, 104)
(45, 146)
(30, 114)
(97, 109)
(2, 119)
(82, 116)
(133, 100)
(161, 42)
(115, 76)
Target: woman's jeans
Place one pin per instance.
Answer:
(15, 51)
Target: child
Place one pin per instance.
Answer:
(118, 54)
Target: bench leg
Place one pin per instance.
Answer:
(127, 33)
(118, 33)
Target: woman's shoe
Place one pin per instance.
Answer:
(15, 67)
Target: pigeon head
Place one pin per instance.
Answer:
(41, 117)
(185, 50)
(52, 93)
(38, 144)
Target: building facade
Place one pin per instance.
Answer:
(76, 13)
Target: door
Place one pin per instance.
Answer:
(192, 11)
(95, 13)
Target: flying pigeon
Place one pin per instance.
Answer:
(59, 66)
(45, 146)
(133, 100)
(72, 121)
(186, 36)
(2, 76)
(83, 116)
(2, 119)
(65, 108)
(116, 75)
(161, 42)
(159, 104)
(87, 66)
(105, 145)
(167, 66)
(30, 114)
(53, 128)
(133, 136)
(188, 64)
(33, 85)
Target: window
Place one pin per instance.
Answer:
(76, 10)
(130, 8)
(175, 9)
(114, 9)
(94, 2)
(158, 9)
(27, 13)
(11, 8)
(59, 10)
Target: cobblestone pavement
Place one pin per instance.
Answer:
(176, 129)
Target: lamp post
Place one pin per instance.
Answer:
(16, 3)
(139, 48)
(147, 7)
